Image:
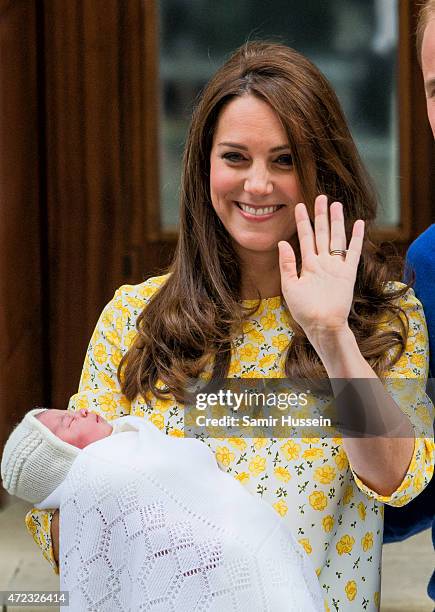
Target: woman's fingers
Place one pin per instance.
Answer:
(321, 224)
(355, 246)
(305, 231)
(338, 232)
(287, 260)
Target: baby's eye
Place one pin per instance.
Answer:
(233, 157)
(285, 160)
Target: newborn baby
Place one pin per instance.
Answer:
(147, 519)
(41, 449)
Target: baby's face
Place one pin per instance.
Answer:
(77, 428)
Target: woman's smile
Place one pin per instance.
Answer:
(258, 213)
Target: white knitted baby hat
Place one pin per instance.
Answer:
(34, 460)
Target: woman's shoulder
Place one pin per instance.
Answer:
(139, 295)
(409, 303)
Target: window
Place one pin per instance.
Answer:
(353, 42)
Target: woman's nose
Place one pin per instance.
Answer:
(258, 183)
(83, 412)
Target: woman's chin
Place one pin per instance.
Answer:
(259, 246)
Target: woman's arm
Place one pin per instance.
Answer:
(345, 366)
(55, 536)
(319, 299)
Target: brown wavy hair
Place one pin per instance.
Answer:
(427, 12)
(195, 315)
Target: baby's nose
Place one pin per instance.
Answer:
(83, 412)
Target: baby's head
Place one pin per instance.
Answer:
(41, 449)
(77, 428)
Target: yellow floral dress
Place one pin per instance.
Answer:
(334, 516)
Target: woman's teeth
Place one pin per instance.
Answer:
(258, 211)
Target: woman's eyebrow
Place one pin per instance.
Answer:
(234, 145)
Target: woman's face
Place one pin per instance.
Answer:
(253, 186)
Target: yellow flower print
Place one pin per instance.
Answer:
(290, 450)
(418, 360)
(239, 443)
(313, 453)
(281, 507)
(266, 361)
(281, 342)
(362, 511)
(158, 420)
(257, 465)
(107, 403)
(274, 302)
(305, 542)
(324, 475)
(367, 541)
(377, 598)
(107, 319)
(147, 291)
(337, 440)
(116, 357)
(255, 336)
(135, 302)
(176, 433)
(351, 590)
(124, 404)
(345, 544)
(45, 521)
(259, 443)
(162, 405)
(341, 459)
(249, 352)
(269, 321)
(285, 318)
(82, 403)
(112, 337)
(243, 476)
(420, 338)
(310, 440)
(130, 337)
(234, 367)
(424, 415)
(328, 523)
(282, 474)
(100, 353)
(348, 494)
(418, 481)
(402, 501)
(224, 455)
(107, 381)
(318, 500)
(120, 323)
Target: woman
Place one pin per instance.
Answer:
(254, 291)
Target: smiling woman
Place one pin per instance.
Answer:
(276, 206)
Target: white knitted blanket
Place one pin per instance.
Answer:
(149, 522)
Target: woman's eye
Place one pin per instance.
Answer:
(285, 160)
(233, 157)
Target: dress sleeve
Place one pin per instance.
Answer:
(406, 381)
(99, 391)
